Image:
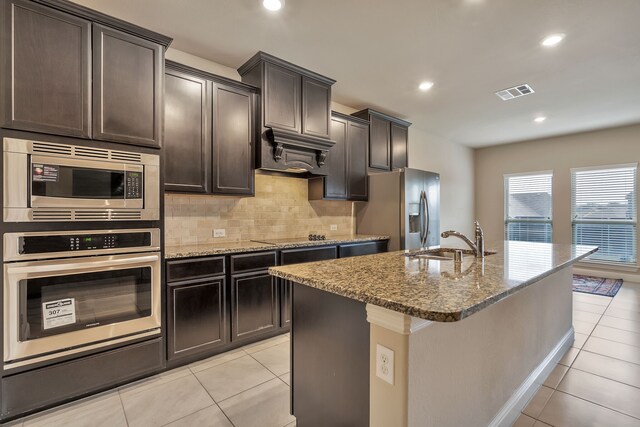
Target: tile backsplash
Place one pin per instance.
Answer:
(279, 209)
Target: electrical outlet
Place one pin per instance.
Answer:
(384, 363)
(219, 232)
(334, 227)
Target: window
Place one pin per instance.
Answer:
(528, 207)
(603, 211)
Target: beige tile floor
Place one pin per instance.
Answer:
(248, 387)
(597, 383)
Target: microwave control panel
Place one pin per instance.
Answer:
(133, 185)
(82, 242)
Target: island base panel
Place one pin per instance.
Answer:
(329, 359)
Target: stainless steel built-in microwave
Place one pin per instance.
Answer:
(46, 181)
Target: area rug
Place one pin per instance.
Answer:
(596, 285)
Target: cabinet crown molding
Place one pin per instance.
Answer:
(101, 18)
(364, 114)
(261, 57)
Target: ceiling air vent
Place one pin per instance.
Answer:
(515, 92)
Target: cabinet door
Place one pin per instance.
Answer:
(187, 133)
(316, 107)
(46, 70)
(127, 88)
(399, 142)
(254, 304)
(357, 144)
(233, 140)
(281, 98)
(335, 183)
(196, 312)
(379, 141)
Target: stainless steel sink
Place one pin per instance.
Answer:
(443, 254)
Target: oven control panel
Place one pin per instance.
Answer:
(41, 244)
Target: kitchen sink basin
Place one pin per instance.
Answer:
(443, 254)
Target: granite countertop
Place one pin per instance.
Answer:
(333, 240)
(436, 290)
(205, 249)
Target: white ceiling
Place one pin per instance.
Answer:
(379, 51)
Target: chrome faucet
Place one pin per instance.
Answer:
(477, 247)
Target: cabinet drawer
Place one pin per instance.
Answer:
(251, 262)
(296, 256)
(357, 249)
(194, 268)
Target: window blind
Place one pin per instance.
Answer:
(604, 212)
(528, 207)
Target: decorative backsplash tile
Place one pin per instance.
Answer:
(279, 209)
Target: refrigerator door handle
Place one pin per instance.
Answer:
(426, 220)
(423, 215)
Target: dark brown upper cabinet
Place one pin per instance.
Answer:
(357, 158)
(46, 70)
(281, 92)
(210, 132)
(399, 146)
(68, 70)
(187, 132)
(346, 177)
(388, 140)
(316, 107)
(233, 139)
(127, 88)
(296, 111)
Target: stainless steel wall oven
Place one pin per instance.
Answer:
(46, 181)
(68, 292)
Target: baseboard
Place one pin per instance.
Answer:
(607, 274)
(518, 400)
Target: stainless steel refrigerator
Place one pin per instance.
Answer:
(404, 205)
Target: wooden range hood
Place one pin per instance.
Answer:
(296, 114)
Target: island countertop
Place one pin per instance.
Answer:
(436, 290)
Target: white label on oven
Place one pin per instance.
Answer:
(58, 313)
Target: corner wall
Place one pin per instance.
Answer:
(597, 148)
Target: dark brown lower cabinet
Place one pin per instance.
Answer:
(196, 316)
(220, 302)
(254, 305)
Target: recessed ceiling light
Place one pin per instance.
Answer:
(425, 86)
(552, 40)
(273, 5)
(540, 119)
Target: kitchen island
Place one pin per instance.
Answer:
(396, 339)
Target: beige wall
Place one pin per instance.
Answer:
(560, 154)
(455, 164)
(452, 161)
(201, 64)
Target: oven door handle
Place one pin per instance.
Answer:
(80, 264)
